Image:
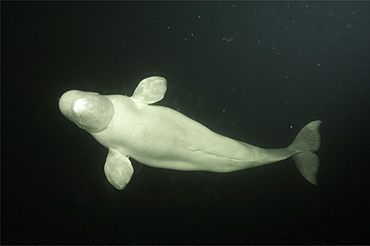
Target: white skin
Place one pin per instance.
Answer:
(159, 136)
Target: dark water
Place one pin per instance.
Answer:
(253, 71)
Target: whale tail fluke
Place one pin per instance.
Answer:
(307, 142)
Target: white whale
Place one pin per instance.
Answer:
(161, 137)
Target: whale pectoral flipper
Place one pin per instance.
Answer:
(118, 169)
(150, 90)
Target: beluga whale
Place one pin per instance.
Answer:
(157, 136)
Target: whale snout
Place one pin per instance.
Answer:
(88, 110)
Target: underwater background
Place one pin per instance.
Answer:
(253, 71)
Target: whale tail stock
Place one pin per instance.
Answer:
(306, 142)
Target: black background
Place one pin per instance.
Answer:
(253, 71)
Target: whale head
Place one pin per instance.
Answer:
(88, 110)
